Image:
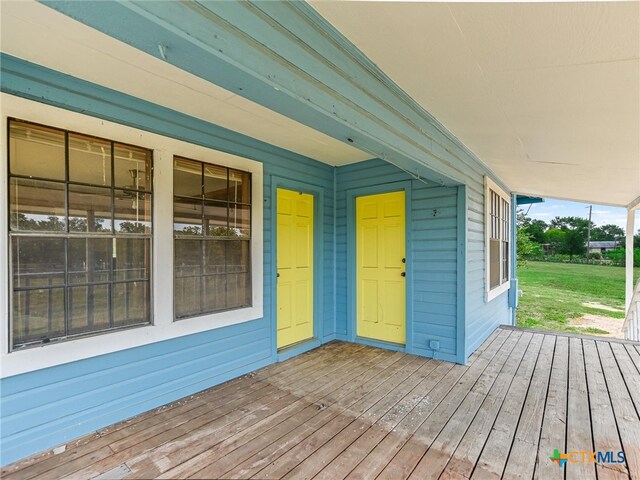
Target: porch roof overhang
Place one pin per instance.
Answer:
(545, 96)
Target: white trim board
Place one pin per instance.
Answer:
(163, 327)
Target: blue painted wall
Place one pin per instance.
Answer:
(52, 406)
(113, 387)
(482, 317)
(431, 284)
(40, 409)
(322, 81)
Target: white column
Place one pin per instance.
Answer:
(629, 258)
(162, 238)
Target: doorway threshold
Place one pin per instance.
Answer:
(396, 347)
(297, 348)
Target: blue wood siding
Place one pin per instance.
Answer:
(51, 406)
(321, 80)
(346, 97)
(48, 407)
(432, 286)
(482, 317)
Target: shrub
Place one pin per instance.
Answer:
(619, 255)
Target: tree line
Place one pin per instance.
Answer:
(567, 236)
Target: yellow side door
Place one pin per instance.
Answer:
(294, 267)
(380, 267)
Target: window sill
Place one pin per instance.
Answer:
(497, 291)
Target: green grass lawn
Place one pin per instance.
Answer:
(553, 294)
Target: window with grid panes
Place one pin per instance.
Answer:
(499, 237)
(212, 228)
(80, 234)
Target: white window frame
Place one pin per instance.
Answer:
(163, 326)
(491, 293)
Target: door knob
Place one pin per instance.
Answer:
(404, 274)
(404, 260)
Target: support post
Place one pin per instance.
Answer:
(513, 289)
(629, 258)
(589, 233)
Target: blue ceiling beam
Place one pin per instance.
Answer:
(527, 200)
(286, 57)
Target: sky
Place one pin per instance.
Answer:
(601, 215)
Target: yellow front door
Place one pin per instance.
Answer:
(295, 267)
(380, 267)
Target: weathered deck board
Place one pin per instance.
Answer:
(262, 434)
(435, 459)
(626, 415)
(634, 355)
(362, 446)
(256, 461)
(353, 411)
(605, 438)
(579, 436)
(554, 422)
(195, 447)
(466, 455)
(384, 452)
(495, 452)
(289, 460)
(522, 457)
(629, 373)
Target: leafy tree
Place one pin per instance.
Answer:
(525, 247)
(190, 230)
(532, 227)
(20, 221)
(51, 224)
(132, 227)
(574, 243)
(607, 232)
(572, 223)
(80, 225)
(556, 238)
(536, 230)
(522, 219)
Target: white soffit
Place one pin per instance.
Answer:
(39, 34)
(546, 94)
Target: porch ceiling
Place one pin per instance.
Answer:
(39, 34)
(547, 94)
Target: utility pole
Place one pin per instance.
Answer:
(589, 232)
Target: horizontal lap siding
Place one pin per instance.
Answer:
(482, 318)
(153, 375)
(52, 406)
(318, 78)
(48, 407)
(434, 254)
(319, 176)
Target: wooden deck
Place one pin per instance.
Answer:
(354, 411)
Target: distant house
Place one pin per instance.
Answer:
(603, 246)
(548, 248)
